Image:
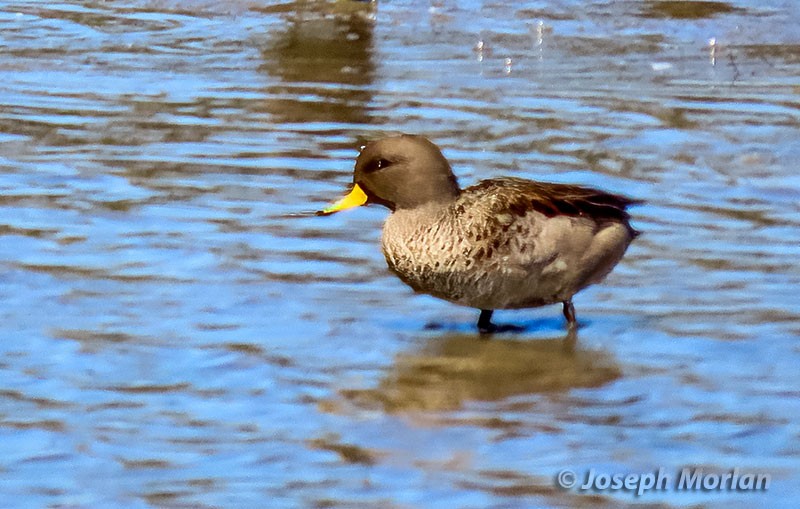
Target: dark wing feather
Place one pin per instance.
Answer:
(519, 196)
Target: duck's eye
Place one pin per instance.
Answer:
(378, 165)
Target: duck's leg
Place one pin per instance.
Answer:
(569, 314)
(485, 325)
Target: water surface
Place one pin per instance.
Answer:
(179, 331)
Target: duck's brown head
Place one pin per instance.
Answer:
(400, 172)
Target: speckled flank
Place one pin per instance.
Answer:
(495, 247)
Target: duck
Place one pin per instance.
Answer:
(502, 243)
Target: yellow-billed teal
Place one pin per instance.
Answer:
(504, 243)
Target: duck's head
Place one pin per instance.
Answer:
(400, 172)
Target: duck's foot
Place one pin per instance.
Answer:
(569, 314)
(485, 325)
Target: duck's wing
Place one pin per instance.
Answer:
(519, 197)
(528, 223)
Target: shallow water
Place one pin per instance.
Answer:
(179, 331)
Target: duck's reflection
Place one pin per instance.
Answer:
(455, 369)
(323, 61)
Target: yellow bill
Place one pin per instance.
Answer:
(355, 198)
